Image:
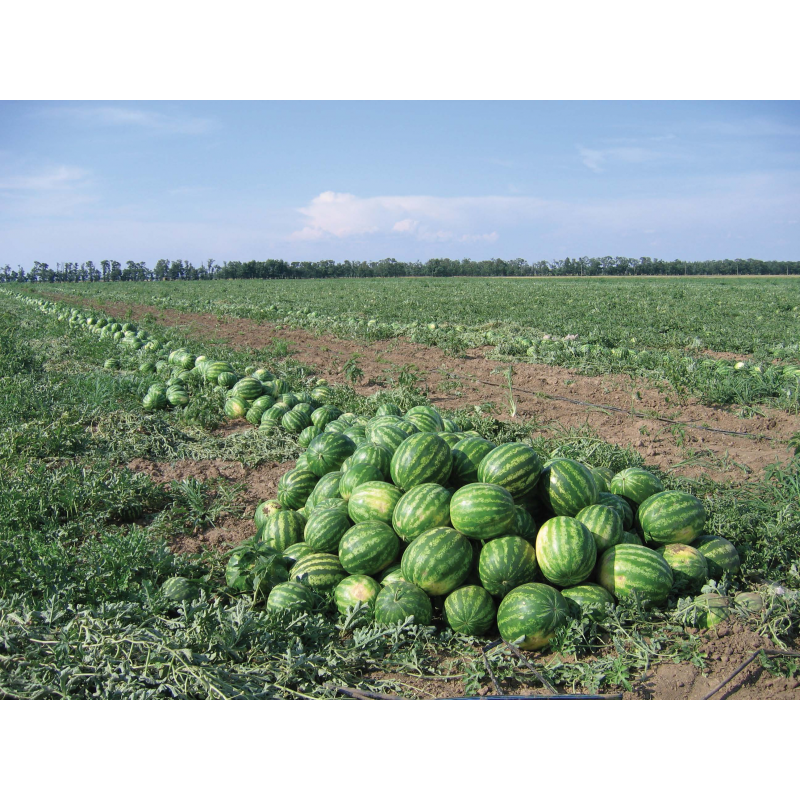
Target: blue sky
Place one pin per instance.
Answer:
(409, 180)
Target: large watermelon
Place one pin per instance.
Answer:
(373, 500)
(294, 488)
(327, 452)
(514, 466)
(566, 486)
(482, 511)
(620, 505)
(421, 458)
(531, 614)
(282, 529)
(355, 476)
(325, 529)
(290, 596)
(425, 418)
(688, 565)
(589, 599)
(720, 555)
(424, 507)
(376, 455)
(604, 524)
(627, 570)
(635, 484)
(525, 526)
(437, 561)
(356, 589)
(565, 551)
(671, 518)
(467, 456)
(506, 563)
(320, 571)
(399, 600)
(368, 547)
(327, 486)
(390, 436)
(469, 610)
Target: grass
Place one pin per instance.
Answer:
(85, 550)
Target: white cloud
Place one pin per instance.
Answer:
(599, 160)
(43, 181)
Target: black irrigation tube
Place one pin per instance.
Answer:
(622, 410)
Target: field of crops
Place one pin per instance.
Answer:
(725, 341)
(167, 502)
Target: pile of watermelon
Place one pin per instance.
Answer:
(404, 513)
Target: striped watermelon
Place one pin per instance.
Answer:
(425, 418)
(356, 589)
(263, 510)
(355, 476)
(531, 614)
(321, 571)
(589, 599)
(214, 369)
(506, 563)
(307, 435)
(469, 610)
(289, 596)
(566, 486)
(399, 600)
(376, 455)
(322, 394)
(374, 500)
(604, 524)
(524, 526)
(294, 488)
(602, 477)
(424, 507)
(671, 518)
(390, 436)
(328, 503)
(437, 561)
(327, 487)
(688, 565)
(296, 420)
(631, 537)
(248, 388)
(635, 484)
(391, 574)
(282, 529)
(406, 426)
(289, 398)
(388, 410)
(325, 414)
(327, 452)
(325, 529)
(422, 458)
(235, 408)
(450, 426)
(467, 456)
(712, 609)
(514, 466)
(721, 556)
(621, 505)
(482, 511)
(368, 547)
(627, 570)
(450, 438)
(295, 552)
(566, 551)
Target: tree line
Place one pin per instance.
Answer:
(278, 269)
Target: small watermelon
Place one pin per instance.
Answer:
(424, 507)
(482, 511)
(469, 610)
(531, 614)
(399, 600)
(368, 547)
(356, 589)
(437, 561)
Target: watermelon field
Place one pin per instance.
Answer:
(411, 488)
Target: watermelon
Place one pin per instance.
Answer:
(631, 537)
(235, 408)
(248, 389)
(328, 503)
(376, 455)
(327, 487)
(604, 524)
(325, 529)
(327, 452)
(467, 456)
(482, 511)
(263, 510)
(565, 551)
(602, 477)
(514, 466)
(530, 615)
(373, 500)
(214, 369)
(178, 589)
(294, 488)
(282, 529)
(749, 602)
(621, 505)
(356, 589)
(524, 525)
(307, 435)
(391, 574)
(322, 394)
(450, 426)
(295, 552)
(355, 476)
(421, 458)
(712, 609)
(635, 484)
(388, 410)
(368, 547)
(626, 570)
(469, 610)
(424, 507)
(296, 420)
(437, 561)
(320, 571)
(289, 398)
(425, 418)
(506, 563)
(688, 565)
(390, 436)
(325, 414)
(671, 518)
(399, 600)
(566, 486)
(589, 599)
(721, 556)
(290, 596)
